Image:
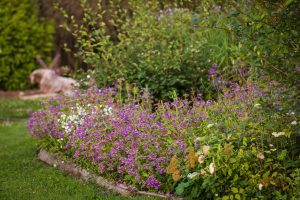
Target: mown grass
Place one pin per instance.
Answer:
(22, 176)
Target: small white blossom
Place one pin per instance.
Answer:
(201, 159)
(294, 123)
(290, 113)
(260, 156)
(210, 125)
(54, 165)
(275, 134)
(257, 105)
(211, 168)
(205, 149)
(88, 76)
(107, 110)
(260, 186)
(273, 149)
(192, 175)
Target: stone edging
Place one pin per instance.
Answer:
(86, 176)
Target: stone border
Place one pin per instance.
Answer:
(87, 176)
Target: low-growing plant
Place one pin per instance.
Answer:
(242, 145)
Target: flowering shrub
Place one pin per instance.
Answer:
(242, 144)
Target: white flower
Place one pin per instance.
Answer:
(271, 145)
(273, 149)
(290, 113)
(210, 125)
(260, 186)
(275, 134)
(192, 175)
(88, 76)
(211, 168)
(201, 159)
(257, 105)
(54, 165)
(294, 123)
(260, 156)
(205, 149)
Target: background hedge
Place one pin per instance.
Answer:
(23, 35)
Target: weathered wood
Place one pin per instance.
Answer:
(55, 62)
(85, 175)
(41, 62)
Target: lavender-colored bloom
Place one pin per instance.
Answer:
(213, 70)
(152, 182)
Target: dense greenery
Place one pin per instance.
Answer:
(171, 46)
(23, 35)
(242, 145)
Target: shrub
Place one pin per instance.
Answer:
(23, 35)
(243, 145)
(170, 47)
(266, 35)
(163, 49)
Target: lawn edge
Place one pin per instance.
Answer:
(87, 176)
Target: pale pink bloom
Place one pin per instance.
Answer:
(201, 159)
(205, 149)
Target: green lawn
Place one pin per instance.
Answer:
(24, 177)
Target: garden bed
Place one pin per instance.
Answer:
(229, 147)
(87, 176)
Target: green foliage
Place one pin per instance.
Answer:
(22, 36)
(266, 35)
(169, 46)
(165, 50)
(245, 151)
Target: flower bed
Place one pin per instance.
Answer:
(241, 145)
(86, 176)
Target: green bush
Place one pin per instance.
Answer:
(169, 47)
(23, 35)
(266, 34)
(163, 49)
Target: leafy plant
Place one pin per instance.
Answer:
(242, 145)
(23, 35)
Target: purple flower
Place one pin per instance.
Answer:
(152, 182)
